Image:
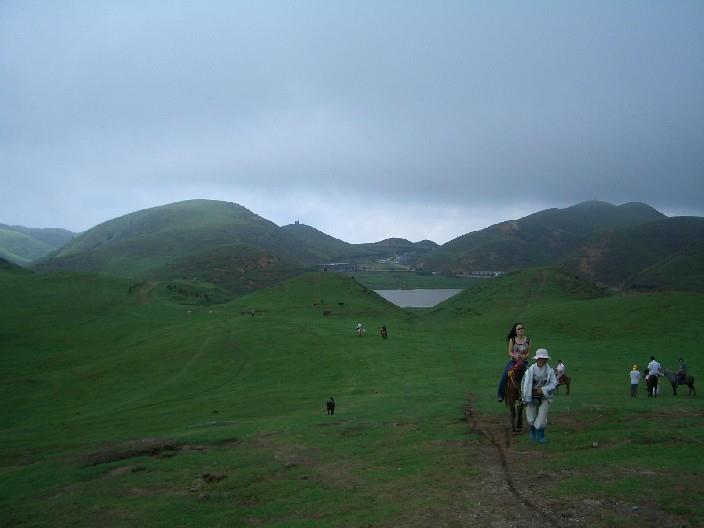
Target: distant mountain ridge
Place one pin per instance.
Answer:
(23, 245)
(629, 245)
(609, 244)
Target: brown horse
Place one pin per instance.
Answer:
(513, 399)
(564, 380)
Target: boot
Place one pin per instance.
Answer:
(541, 436)
(533, 434)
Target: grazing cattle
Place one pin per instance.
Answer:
(330, 405)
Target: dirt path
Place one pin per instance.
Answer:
(506, 497)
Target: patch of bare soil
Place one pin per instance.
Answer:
(154, 447)
(309, 464)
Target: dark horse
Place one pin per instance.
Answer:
(330, 405)
(687, 380)
(652, 383)
(513, 399)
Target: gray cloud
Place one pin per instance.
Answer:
(414, 119)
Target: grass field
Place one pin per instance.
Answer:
(128, 409)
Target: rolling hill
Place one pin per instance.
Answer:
(324, 246)
(620, 256)
(605, 243)
(24, 245)
(540, 239)
(227, 245)
(203, 240)
(330, 249)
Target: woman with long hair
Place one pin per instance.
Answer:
(518, 348)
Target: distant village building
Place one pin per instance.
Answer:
(339, 267)
(487, 273)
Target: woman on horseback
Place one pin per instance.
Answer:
(518, 349)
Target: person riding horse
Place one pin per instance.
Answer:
(682, 373)
(518, 348)
(559, 371)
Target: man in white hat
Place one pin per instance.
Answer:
(539, 384)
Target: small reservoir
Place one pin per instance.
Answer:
(420, 298)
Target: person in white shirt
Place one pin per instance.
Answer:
(654, 368)
(559, 370)
(635, 379)
(537, 389)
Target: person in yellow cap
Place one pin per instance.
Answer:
(635, 379)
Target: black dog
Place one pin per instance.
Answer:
(330, 404)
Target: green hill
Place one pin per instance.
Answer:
(619, 256)
(540, 239)
(682, 270)
(24, 245)
(122, 407)
(327, 248)
(7, 266)
(20, 248)
(609, 244)
(53, 236)
(195, 238)
(521, 288)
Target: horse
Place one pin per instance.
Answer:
(564, 380)
(330, 405)
(688, 380)
(652, 383)
(513, 399)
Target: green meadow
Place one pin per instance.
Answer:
(123, 406)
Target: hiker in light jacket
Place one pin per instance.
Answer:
(539, 384)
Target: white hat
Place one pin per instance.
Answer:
(541, 353)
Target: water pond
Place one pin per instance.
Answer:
(419, 298)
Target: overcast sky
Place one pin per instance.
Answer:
(366, 120)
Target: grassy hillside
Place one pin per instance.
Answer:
(53, 236)
(327, 248)
(123, 407)
(20, 248)
(10, 267)
(600, 241)
(182, 239)
(521, 288)
(617, 256)
(540, 239)
(682, 270)
(23, 245)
